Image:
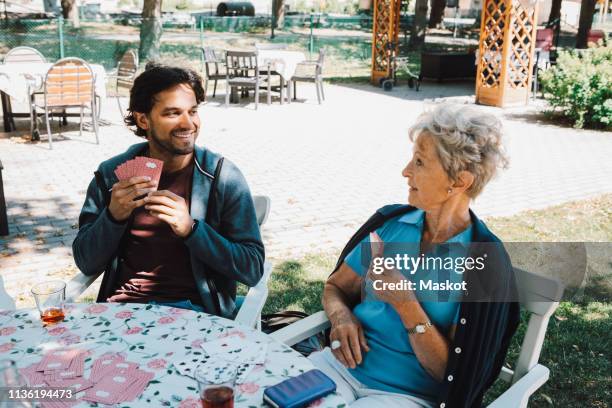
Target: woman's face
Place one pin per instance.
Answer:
(427, 179)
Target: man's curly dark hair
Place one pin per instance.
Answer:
(155, 79)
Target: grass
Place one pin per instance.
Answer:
(578, 341)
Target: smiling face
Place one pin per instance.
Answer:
(427, 179)
(173, 124)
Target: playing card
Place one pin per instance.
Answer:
(34, 378)
(109, 362)
(234, 348)
(218, 370)
(140, 166)
(77, 384)
(59, 359)
(187, 367)
(151, 167)
(137, 387)
(74, 370)
(108, 388)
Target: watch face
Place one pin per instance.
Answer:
(420, 328)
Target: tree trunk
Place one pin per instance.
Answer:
(437, 13)
(417, 35)
(70, 11)
(279, 12)
(555, 10)
(587, 10)
(150, 30)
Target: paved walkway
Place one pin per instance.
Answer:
(326, 168)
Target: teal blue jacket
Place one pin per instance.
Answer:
(226, 250)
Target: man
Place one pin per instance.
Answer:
(186, 240)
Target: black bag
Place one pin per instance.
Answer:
(276, 321)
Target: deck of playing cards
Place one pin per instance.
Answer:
(231, 353)
(140, 166)
(112, 379)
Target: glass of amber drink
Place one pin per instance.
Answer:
(216, 387)
(50, 297)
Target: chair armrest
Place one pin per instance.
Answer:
(518, 394)
(78, 285)
(303, 329)
(250, 311)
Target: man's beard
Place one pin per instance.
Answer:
(167, 145)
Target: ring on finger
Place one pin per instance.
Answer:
(335, 345)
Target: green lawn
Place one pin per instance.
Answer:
(578, 341)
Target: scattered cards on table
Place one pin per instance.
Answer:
(112, 379)
(140, 166)
(229, 353)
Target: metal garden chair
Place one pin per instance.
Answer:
(69, 83)
(243, 72)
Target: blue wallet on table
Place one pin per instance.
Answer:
(299, 391)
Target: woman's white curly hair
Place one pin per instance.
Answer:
(466, 139)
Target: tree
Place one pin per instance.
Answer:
(70, 11)
(419, 26)
(150, 30)
(437, 13)
(587, 10)
(279, 12)
(555, 10)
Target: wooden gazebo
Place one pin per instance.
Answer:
(506, 50)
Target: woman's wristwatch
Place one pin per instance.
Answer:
(420, 328)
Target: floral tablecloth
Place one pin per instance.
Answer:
(153, 336)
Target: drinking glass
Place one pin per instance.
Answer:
(216, 386)
(50, 297)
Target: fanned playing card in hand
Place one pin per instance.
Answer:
(140, 166)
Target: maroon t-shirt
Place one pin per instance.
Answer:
(154, 263)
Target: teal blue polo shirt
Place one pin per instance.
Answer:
(391, 364)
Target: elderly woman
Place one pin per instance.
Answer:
(399, 346)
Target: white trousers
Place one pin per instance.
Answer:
(355, 393)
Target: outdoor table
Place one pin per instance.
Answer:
(284, 62)
(154, 337)
(14, 81)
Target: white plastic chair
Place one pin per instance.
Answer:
(539, 295)
(250, 312)
(23, 55)
(6, 301)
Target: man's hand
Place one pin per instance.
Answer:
(346, 329)
(171, 209)
(123, 196)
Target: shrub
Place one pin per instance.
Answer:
(580, 87)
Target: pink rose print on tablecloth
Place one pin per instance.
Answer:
(190, 402)
(7, 331)
(133, 330)
(96, 309)
(124, 314)
(177, 311)
(57, 331)
(69, 339)
(6, 347)
(165, 320)
(231, 333)
(248, 388)
(5, 312)
(197, 343)
(157, 364)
